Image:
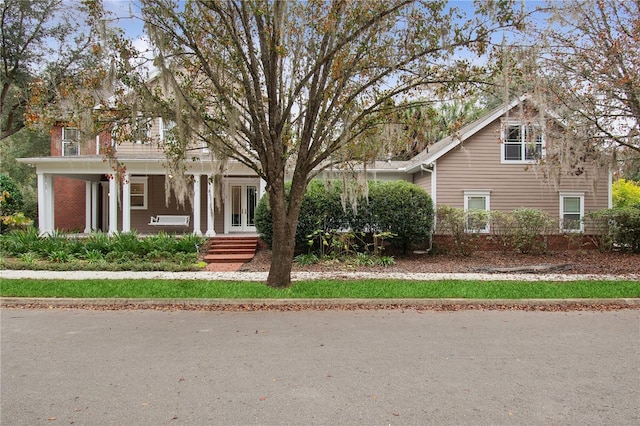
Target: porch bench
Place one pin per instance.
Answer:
(169, 220)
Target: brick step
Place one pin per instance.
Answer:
(231, 249)
(228, 258)
(239, 246)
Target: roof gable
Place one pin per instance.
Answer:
(443, 146)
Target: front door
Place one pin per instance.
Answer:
(242, 202)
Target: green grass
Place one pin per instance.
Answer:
(318, 289)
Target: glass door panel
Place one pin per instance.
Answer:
(252, 201)
(236, 206)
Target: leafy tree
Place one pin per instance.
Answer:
(26, 143)
(583, 62)
(47, 52)
(291, 88)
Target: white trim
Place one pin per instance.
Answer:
(113, 205)
(210, 208)
(196, 205)
(574, 194)
(87, 206)
(126, 203)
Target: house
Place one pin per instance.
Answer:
(488, 164)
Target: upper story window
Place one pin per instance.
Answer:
(166, 130)
(142, 131)
(70, 141)
(521, 143)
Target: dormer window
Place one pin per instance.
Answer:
(167, 127)
(70, 142)
(522, 143)
(142, 131)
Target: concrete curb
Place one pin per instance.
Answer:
(258, 304)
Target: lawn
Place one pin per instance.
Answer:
(319, 289)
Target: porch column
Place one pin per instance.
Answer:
(210, 207)
(263, 188)
(126, 203)
(196, 206)
(87, 207)
(113, 205)
(45, 204)
(94, 206)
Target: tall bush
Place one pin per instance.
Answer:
(398, 207)
(617, 228)
(403, 209)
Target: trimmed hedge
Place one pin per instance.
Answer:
(398, 207)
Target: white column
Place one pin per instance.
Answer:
(87, 207)
(45, 204)
(263, 188)
(113, 205)
(94, 205)
(196, 205)
(126, 203)
(210, 207)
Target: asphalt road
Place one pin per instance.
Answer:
(313, 367)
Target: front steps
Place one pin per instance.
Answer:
(233, 250)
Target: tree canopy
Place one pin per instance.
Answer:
(292, 88)
(583, 61)
(48, 52)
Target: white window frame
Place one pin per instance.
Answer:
(164, 126)
(524, 129)
(69, 142)
(563, 196)
(487, 196)
(144, 180)
(149, 123)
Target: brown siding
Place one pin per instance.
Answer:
(476, 165)
(423, 180)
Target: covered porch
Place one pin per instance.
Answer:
(134, 202)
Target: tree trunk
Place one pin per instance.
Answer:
(285, 222)
(283, 247)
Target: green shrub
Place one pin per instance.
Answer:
(127, 242)
(188, 243)
(20, 241)
(454, 222)
(617, 228)
(397, 208)
(306, 259)
(12, 198)
(403, 209)
(98, 241)
(94, 256)
(522, 230)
